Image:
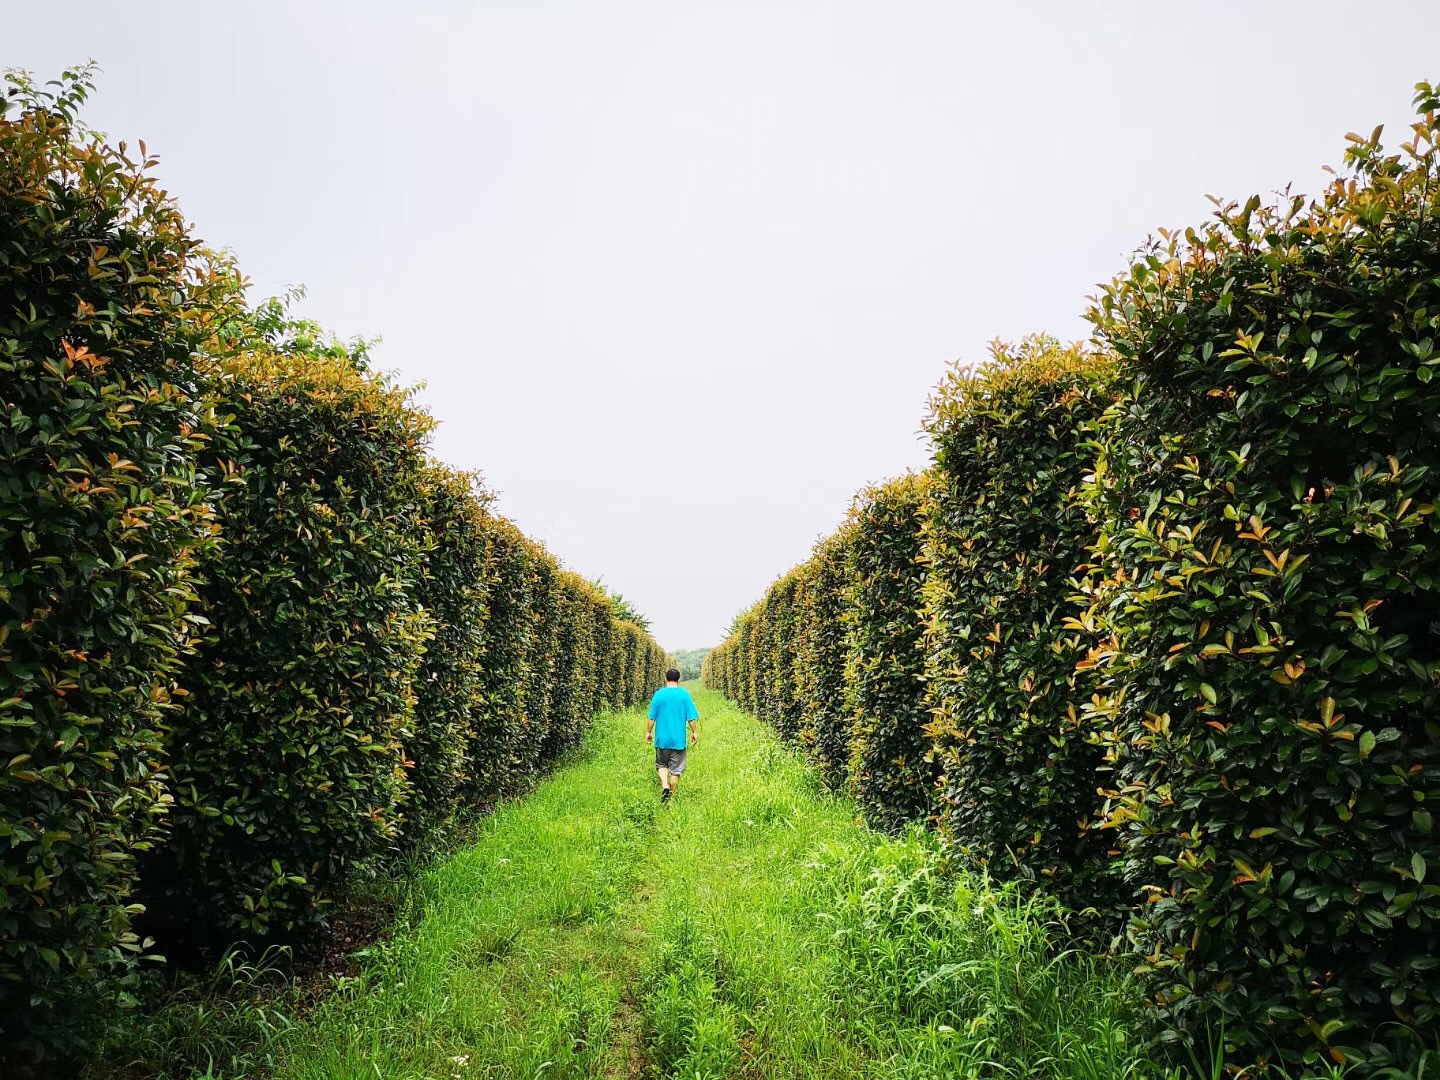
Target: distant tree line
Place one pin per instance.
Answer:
(690, 661)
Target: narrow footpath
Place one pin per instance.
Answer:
(751, 928)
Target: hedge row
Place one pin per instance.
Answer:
(103, 520)
(1006, 538)
(831, 656)
(254, 640)
(1180, 621)
(891, 770)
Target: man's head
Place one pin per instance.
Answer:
(672, 676)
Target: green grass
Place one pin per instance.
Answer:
(753, 928)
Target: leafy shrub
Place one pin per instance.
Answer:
(763, 656)
(820, 651)
(494, 752)
(723, 664)
(659, 663)
(760, 647)
(710, 670)
(534, 718)
(732, 658)
(102, 522)
(1266, 610)
(571, 618)
(891, 770)
(288, 761)
(615, 663)
(603, 636)
(621, 645)
(613, 667)
(639, 662)
(744, 676)
(782, 704)
(1258, 616)
(714, 670)
(572, 693)
(452, 590)
(656, 664)
(1005, 536)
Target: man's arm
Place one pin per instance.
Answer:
(650, 729)
(694, 732)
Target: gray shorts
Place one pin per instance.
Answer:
(672, 761)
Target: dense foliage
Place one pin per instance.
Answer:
(1005, 539)
(254, 638)
(1181, 627)
(453, 587)
(820, 652)
(892, 771)
(1267, 607)
(288, 762)
(103, 520)
(776, 683)
(494, 753)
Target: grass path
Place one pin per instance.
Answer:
(753, 928)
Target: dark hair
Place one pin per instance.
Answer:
(672, 675)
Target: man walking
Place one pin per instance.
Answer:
(672, 709)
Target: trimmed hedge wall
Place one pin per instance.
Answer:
(574, 649)
(1267, 603)
(495, 758)
(536, 707)
(820, 649)
(453, 587)
(1005, 542)
(1181, 622)
(892, 771)
(781, 673)
(254, 639)
(103, 521)
(288, 763)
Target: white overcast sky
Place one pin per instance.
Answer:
(678, 277)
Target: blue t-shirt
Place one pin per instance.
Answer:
(671, 708)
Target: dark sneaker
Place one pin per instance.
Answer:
(665, 795)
